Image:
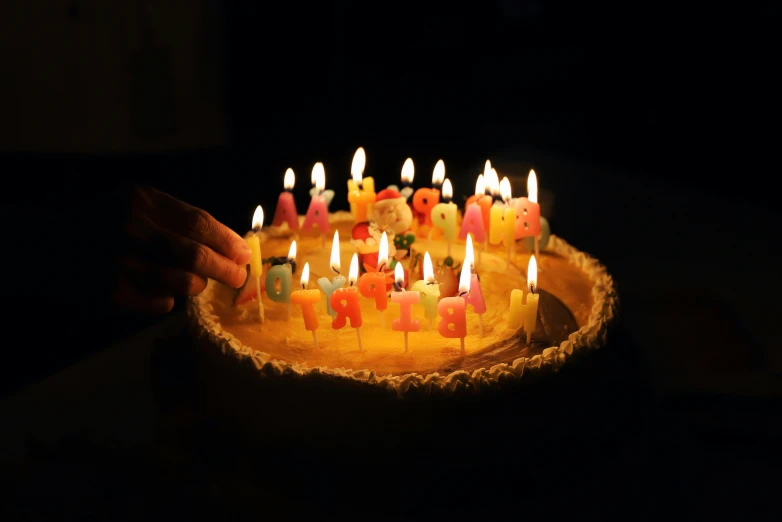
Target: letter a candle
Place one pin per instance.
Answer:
(406, 300)
(345, 303)
(453, 312)
(286, 206)
(307, 299)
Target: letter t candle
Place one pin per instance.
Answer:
(307, 299)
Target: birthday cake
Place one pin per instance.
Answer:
(429, 309)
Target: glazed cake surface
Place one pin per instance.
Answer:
(578, 303)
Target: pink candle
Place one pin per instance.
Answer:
(475, 296)
(406, 300)
(528, 210)
(473, 223)
(286, 206)
(453, 312)
(318, 212)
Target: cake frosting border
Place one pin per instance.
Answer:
(206, 327)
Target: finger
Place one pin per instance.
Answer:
(177, 252)
(128, 296)
(198, 225)
(151, 278)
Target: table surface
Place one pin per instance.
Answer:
(696, 271)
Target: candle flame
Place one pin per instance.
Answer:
(399, 275)
(357, 167)
(464, 280)
(258, 218)
(532, 186)
(382, 253)
(408, 171)
(532, 274)
(292, 251)
(289, 180)
(487, 168)
(480, 186)
(353, 273)
(505, 192)
(319, 177)
(438, 175)
(469, 253)
(305, 276)
(335, 263)
(490, 178)
(447, 190)
(428, 270)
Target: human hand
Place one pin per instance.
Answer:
(169, 249)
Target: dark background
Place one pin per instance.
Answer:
(212, 101)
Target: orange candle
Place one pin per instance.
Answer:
(406, 300)
(307, 299)
(344, 302)
(373, 284)
(425, 199)
(453, 311)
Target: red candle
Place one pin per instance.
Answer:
(318, 212)
(286, 206)
(307, 299)
(425, 199)
(373, 284)
(344, 302)
(528, 210)
(453, 312)
(406, 300)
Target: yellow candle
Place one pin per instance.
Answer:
(361, 191)
(496, 223)
(444, 214)
(429, 290)
(525, 314)
(254, 242)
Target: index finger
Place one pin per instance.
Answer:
(198, 225)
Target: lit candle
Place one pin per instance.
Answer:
(406, 300)
(286, 206)
(496, 213)
(373, 284)
(473, 222)
(318, 212)
(509, 218)
(425, 199)
(282, 276)
(492, 182)
(408, 171)
(528, 212)
(521, 314)
(444, 215)
(327, 286)
(345, 303)
(429, 290)
(475, 296)
(256, 262)
(327, 195)
(307, 299)
(361, 191)
(453, 312)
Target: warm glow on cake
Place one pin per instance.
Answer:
(289, 180)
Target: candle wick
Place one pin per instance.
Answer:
(532, 288)
(256, 230)
(462, 294)
(336, 270)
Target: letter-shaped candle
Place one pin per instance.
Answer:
(282, 276)
(373, 284)
(525, 314)
(406, 300)
(453, 312)
(475, 296)
(345, 303)
(425, 199)
(361, 191)
(429, 290)
(318, 212)
(474, 213)
(286, 206)
(444, 215)
(307, 299)
(327, 286)
(528, 210)
(256, 262)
